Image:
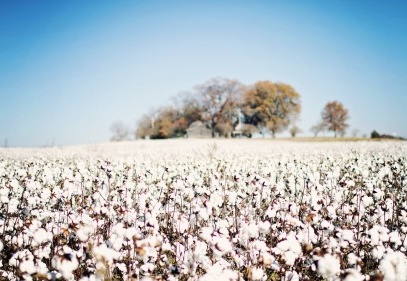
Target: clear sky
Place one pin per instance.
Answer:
(69, 69)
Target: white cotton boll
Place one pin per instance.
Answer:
(271, 213)
(264, 227)
(253, 230)
(131, 232)
(90, 278)
(103, 252)
(291, 276)
(260, 246)
(394, 266)
(378, 252)
(65, 264)
(84, 232)
(395, 238)
(325, 224)
(4, 192)
(42, 268)
(383, 234)
(367, 201)
(119, 230)
(353, 275)
(223, 245)
(206, 234)
(328, 266)
(256, 273)
(116, 242)
(13, 205)
(204, 214)
(166, 247)
(347, 235)
(267, 259)
(41, 236)
(27, 266)
(378, 193)
(283, 245)
(289, 258)
(1, 246)
(183, 225)
(147, 268)
(352, 259)
(374, 235)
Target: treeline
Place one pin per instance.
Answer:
(227, 108)
(221, 104)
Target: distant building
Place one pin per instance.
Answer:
(244, 130)
(198, 130)
(241, 129)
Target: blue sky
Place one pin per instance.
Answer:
(69, 69)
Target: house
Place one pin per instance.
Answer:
(198, 130)
(244, 130)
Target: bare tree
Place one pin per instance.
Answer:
(218, 98)
(119, 131)
(355, 133)
(318, 128)
(335, 117)
(145, 126)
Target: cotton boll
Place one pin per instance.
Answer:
(41, 236)
(267, 259)
(147, 268)
(394, 237)
(12, 205)
(84, 232)
(264, 227)
(394, 266)
(353, 275)
(378, 252)
(222, 245)
(27, 266)
(103, 252)
(289, 258)
(256, 273)
(328, 266)
(353, 259)
(42, 268)
(206, 234)
(291, 276)
(65, 264)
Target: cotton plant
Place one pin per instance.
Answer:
(300, 212)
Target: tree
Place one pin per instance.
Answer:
(355, 133)
(335, 117)
(119, 131)
(145, 126)
(218, 98)
(294, 131)
(318, 128)
(375, 135)
(273, 106)
(189, 107)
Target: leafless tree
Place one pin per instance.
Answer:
(119, 131)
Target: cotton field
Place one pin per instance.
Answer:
(205, 210)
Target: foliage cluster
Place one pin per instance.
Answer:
(222, 104)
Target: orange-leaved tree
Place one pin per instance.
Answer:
(335, 117)
(271, 106)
